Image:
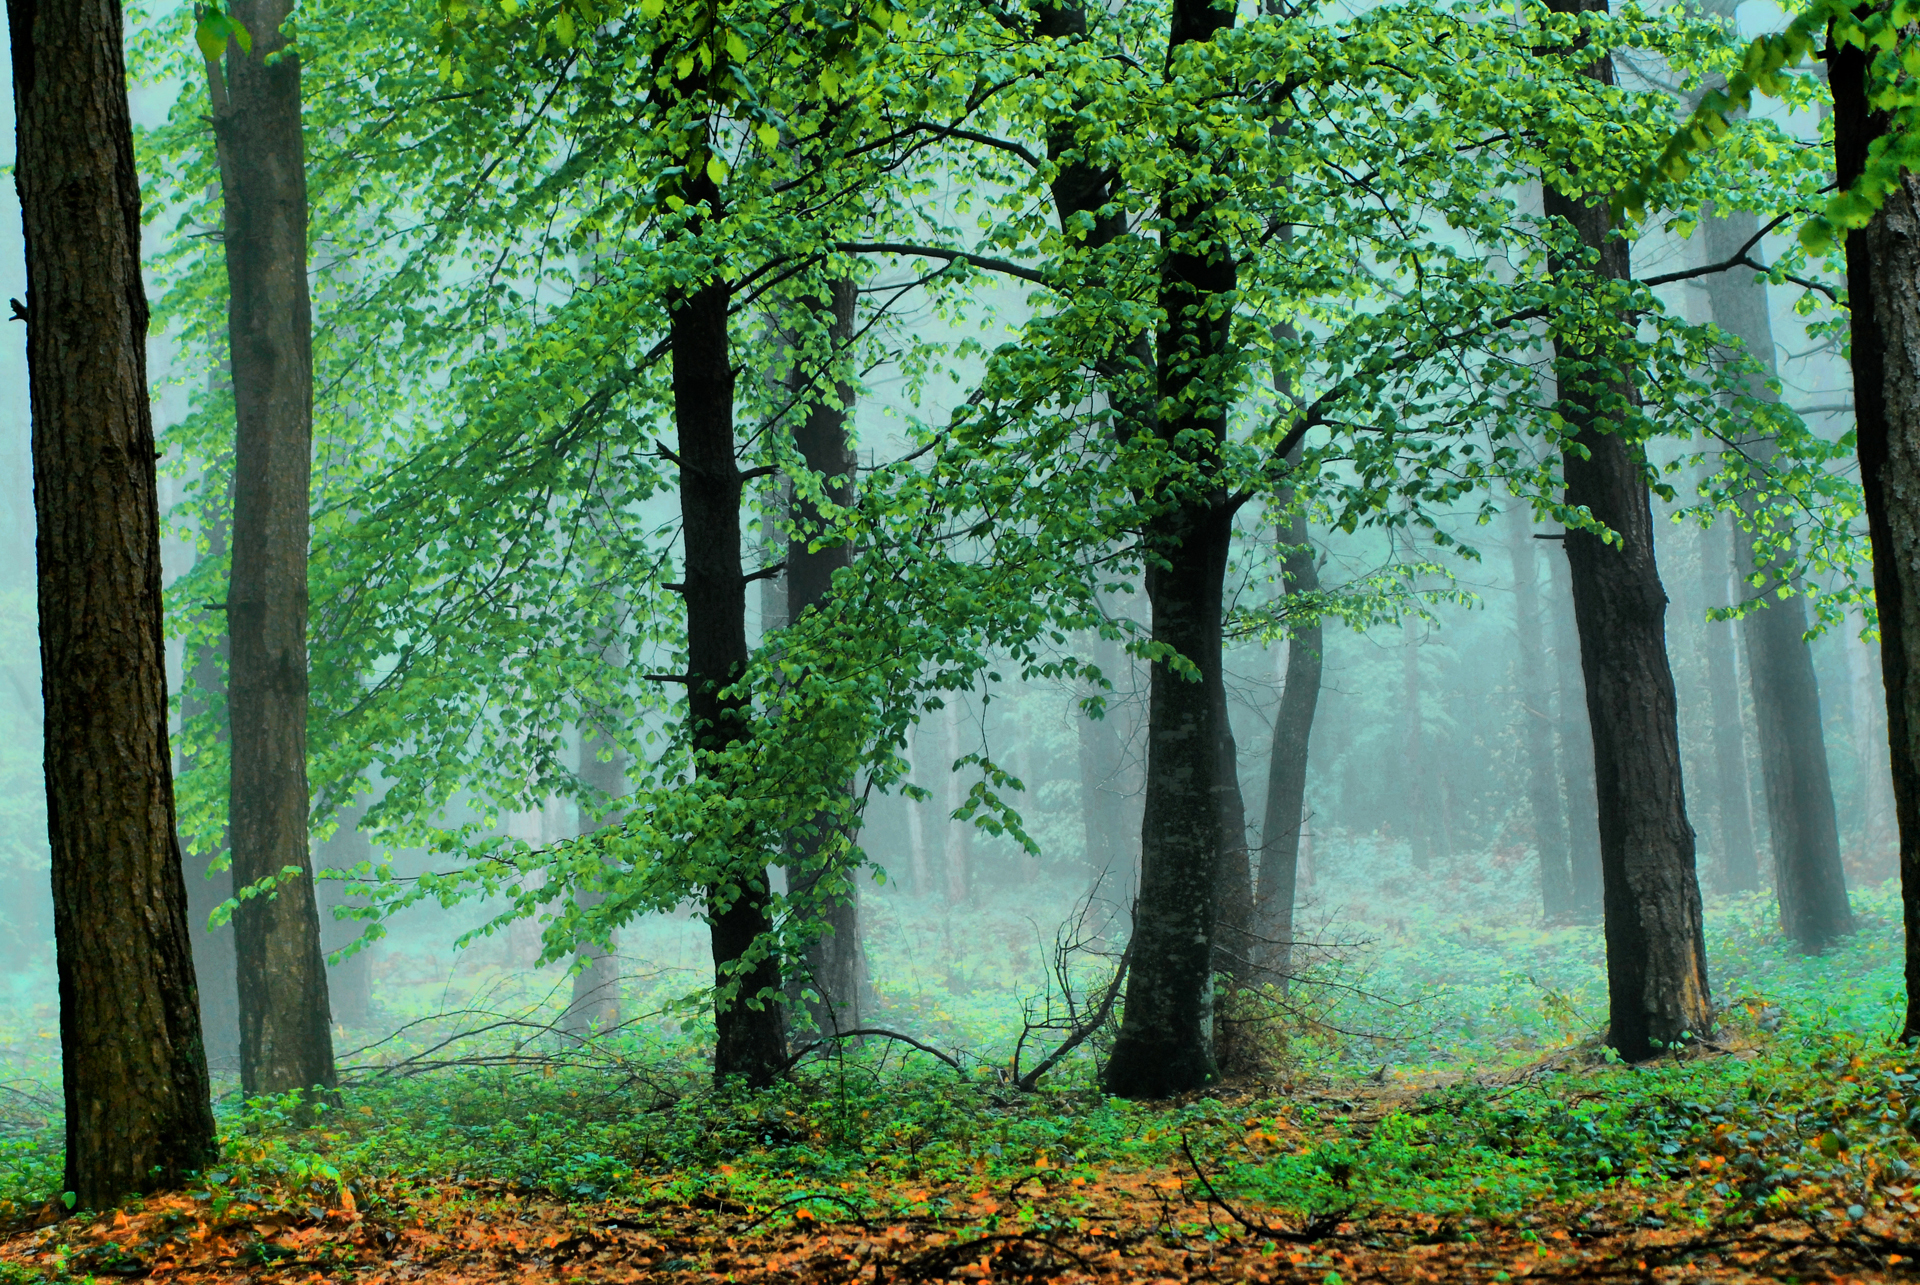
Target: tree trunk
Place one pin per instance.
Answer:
(836, 966)
(207, 888)
(1283, 828)
(1656, 950)
(1809, 880)
(1233, 952)
(749, 1023)
(1883, 280)
(595, 1003)
(132, 1064)
(286, 1039)
(1543, 784)
(1163, 1044)
(1738, 867)
(1576, 750)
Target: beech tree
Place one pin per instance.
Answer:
(134, 1068)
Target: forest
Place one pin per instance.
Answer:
(1046, 640)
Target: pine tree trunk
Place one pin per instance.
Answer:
(1163, 1044)
(1883, 280)
(1656, 949)
(1283, 829)
(1536, 727)
(1576, 749)
(836, 965)
(286, 1039)
(1809, 880)
(1738, 868)
(133, 1066)
(750, 1026)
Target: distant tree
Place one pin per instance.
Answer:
(1278, 887)
(1738, 868)
(1544, 804)
(138, 1115)
(286, 1031)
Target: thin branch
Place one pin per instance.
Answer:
(983, 261)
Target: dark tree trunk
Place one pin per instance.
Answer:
(132, 1063)
(1163, 1044)
(1738, 868)
(596, 986)
(286, 1040)
(1282, 828)
(836, 966)
(349, 982)
(750, 1026)
(1809, 880)
(1656, 950)
(1883, 288)
(1536, 726)
(213, 959)
(1576, 750)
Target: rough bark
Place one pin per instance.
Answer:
(132, 1064)
(750, 1027)
(1283, 829)
(1163, 1044)
(836, 965)
(286, 1040)
(595, 1003)
(1883, 279)
(1576, 749)
(1809, 880)
(1737, 868)
(1656, 950)
(1536, 725)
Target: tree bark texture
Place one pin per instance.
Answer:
(286, 1039)
(133, 1067)
(1164, 1042)
(1738, 866)
(1536, 725)
(1809, 880)
(1883, 280)
(1576, 749)
(1283, 826)
(836, 965)
(751, 1027)
(1656, 950)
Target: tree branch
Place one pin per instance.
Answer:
(982, 261)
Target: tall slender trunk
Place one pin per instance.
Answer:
(1233, 952)
(1163, 1044)
(286, 1040)
(836, 964)
(132, 1064)
(1883, 289)
(1656, 949)
(750, 1026)
(1419, 830)
(956, 838)
(1576, 749)
(207, 888)
(1870, 753)
(1738, 868)
(1536, 725)
(349, 982)
(1283, 832)
(1809, 881)
(595, 1002)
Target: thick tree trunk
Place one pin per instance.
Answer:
(286, 1040)
(1283, 829)
(213, 956)
(132, 1063)
(836, 965)
(1883, 280)
(750, 1026)
(595, 1004)
(1738, 867)
(1163, 1045)
(1656, 950)
(1809, 880)
(1536, 726)
(1576, 749)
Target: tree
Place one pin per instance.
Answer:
(1656, 949)
(1278, 886)
(1739, 868)
(286, 1032)
(134, 1068)
(1809, 881)
(1536, 734)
